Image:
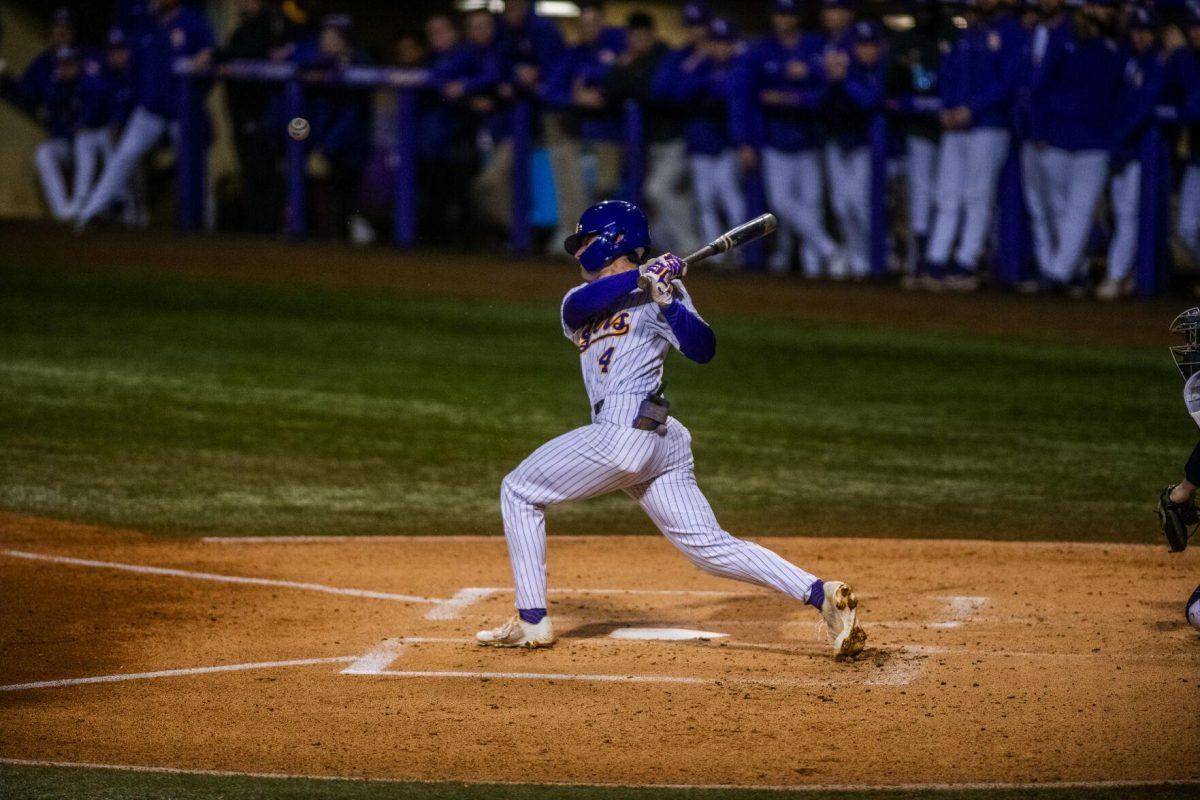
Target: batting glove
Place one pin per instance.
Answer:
(668, 261)
(655, 278)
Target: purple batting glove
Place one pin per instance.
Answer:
(668, 263)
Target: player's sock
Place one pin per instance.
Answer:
(816, 595)
(535, 615)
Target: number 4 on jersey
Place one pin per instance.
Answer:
(606, 359)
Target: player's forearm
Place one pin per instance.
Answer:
(696, 340)
(597, 297)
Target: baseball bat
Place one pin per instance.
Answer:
(746, 232)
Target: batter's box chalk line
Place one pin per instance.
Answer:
(902, 669)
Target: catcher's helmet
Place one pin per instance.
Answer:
(620, 229)
(1187, 355)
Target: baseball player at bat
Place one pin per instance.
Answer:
(623, 319)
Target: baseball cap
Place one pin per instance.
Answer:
(696, 13)
(116, 38)
(790, 8)
(722, 30)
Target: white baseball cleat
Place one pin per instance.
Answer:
(518, 633)
(840, 612)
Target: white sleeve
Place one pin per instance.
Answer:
(567, 332)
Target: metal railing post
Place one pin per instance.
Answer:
(296, 221)
(521, 233)
(405, 189)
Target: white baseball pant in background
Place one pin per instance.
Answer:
(1189, 211)
(1125, 189)
(53, 158)
(673, 215)
(141, 133)
(1037, 199)
(783, 241)
(921, 155)
(717, 182)
(849, 194)
(795, 191)
(657, 471)
(1076, 182)
(92, 149)
(969, 164)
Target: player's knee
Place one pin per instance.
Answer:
(512, 490)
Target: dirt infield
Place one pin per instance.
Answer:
(988, 662)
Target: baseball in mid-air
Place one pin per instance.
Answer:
(298, 129)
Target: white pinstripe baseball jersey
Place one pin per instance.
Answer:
(622, 353)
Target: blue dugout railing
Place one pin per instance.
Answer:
(1014, 250)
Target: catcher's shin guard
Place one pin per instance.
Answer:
(1175, 519)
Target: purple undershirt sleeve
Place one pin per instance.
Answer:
(696, 340)
(597, 297)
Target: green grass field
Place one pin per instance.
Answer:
(196, 406)
(44, 783)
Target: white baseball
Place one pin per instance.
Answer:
(1193, 614)
(298, 129)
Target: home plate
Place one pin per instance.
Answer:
(664, 634)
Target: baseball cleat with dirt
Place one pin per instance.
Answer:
(518, 633)
(840, 612)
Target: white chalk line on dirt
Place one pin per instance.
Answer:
(498, 538)
(172, 673)
(468, 596)
(210, 576)
(811, 787)
(899, 672)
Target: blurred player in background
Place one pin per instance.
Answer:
(837, 22)
(55, 71)
(447, 159)
(704, 84)
(62, 104)
(1141, 91)
(632, 79)
(1185, 65)
(261, 30)
(855, 95)
(979, 80)
(1075, 85)
(668, 182)
(29, 91)
(108, 97)
(176, 32)
(777, 107)
(587, 159)
(1052, 23)
(913, 72)
(338, 145)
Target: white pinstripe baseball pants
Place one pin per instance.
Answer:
(657, 471)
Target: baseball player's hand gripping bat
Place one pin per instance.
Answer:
(746, 232)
